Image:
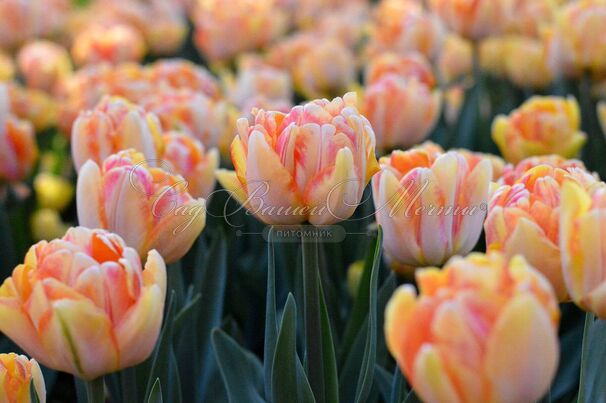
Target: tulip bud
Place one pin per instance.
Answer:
(113, 125)
(430, 205)
(583, 245)
(409, 65)
(18, 375)
(43, 64)
(187, 157)
(112, 44)
(542, 125)
(354, 275)
(523, 219)
(456, 59)
(483, 329)
(311, 164)
(526, 64)
(83, 304)
(148, 207)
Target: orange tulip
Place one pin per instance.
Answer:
(83, 304)
(18, 375)
(43, 64)
(483, 329)
(473, 19)
(113, 43)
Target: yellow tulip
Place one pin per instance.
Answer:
(18, 375)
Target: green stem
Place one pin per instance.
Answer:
(311, 308)
(95, 390)
(589, 319)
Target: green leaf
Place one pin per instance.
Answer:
(593, 365)
(305, 394)
(398, 386)
(331, 378)
(163, 364)
(285, 380)
(271, 329)
(412, 398)
(383, 381)
(241, 370)
(155, 395)
(365, 379)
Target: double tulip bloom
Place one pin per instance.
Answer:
(113, 43)
(431, 205)
(18, 149)
(401, 100)
(541, 126)
(113, 125)
(523, 218)
(583, 245)
(483, 329)
(84, 304)
(18, 376)
(149, 207)
(311, 164)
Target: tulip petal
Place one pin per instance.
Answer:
(88, 196)
(397, 313)
(229, 181)
(522, 352)
(38, 381)
(430, 381)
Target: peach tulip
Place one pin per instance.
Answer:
(114, 44)
(18, 148)
(113, 125)
(483, 329)
(326, 70)
(43, 64)
(409, 65)
(402, 111)
(523, 219)
(529, 17)
(581, 26)
(187, 157)
(35, 106)
(525, 62)
(542, 125)
(223, 31)
(512, 173)
(149, 207)
(311, 164)
(473, 19)
(191, 112)
(491, 54)
(430, 204)
(403, 26)
(583, 245)
(18, 375)
(182, 74)
(456, 59)
(83, 304)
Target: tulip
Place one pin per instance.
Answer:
(166, 28)
(581, 27)
(18, 149)
(286, 53)
(473, 19)
(347, 22)
(497, 163)
(523, 219)
(7, 67)
(403, 112)
(542, 125)
(483, 329)
(114, 124)
(187, 157)
(529, 17)
(456, 59)
(83, 304)
(410, 65)
(182, 74)
(512, 173)
(191, 112)
(114, 44)
(46, 224)
(18, 375)
(583, 245)
(148, 207)
(257, 79)
(222, 32)
(404, 26)
(311, 164)
(32, 105)
(491, 54)
(43, 64)
(431, 205)
(53, 191)
(526, 63)
(325, 70)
